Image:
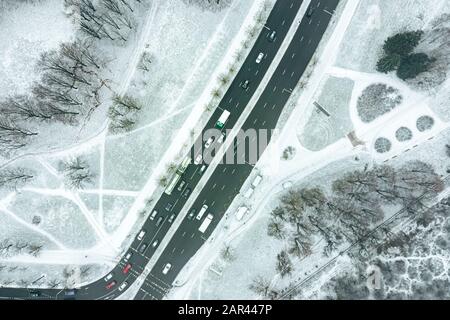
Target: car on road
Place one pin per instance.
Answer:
(169, 207)
(109, 277)
(127, 268)
(143, 247)
(171, 218)
(186, 193)
(35, 294)
(153, 215)
(141, 235)
(221, 138)
(209, 142)
(70, 294)
(160, 220)
(155, 243)
(310, 12)
(123, 286)
(198, 159)
(167, 268)
(259, 58)
(181, 185)
(128, 256)
(111, 284)
(192, 214)
(246, 84)
(272, 36)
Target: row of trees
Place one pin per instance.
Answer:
(9, 248)
(355, 207)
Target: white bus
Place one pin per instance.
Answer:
(172, 184)
(223, 119)
(202, 212)
(206, 223)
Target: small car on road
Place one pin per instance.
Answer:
(143, 247)
(109, 277)
(128, 256)
(272, 36)
(111, 284)
(141, 235)
(169, 207)
(127, 268)
(198, 159)
(171, 218)
(186, 193)
(155, 243)
(209, 142)
(192, 214)
(153, 215)
(246, 84)
(221, 138)
(123, 286)
(259, 58)
(310, 12)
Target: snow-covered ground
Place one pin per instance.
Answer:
(345, 67)
(190, 49)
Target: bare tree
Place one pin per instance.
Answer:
(284, 264)
(260, 286)
(77, 173)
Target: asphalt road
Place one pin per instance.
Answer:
(226, 182)
(235, 99)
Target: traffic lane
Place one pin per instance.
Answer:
(303, 59)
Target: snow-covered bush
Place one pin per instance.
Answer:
(425, 123)
(383, 145)
(404, 134)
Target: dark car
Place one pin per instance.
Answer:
(186, 193)
(310, 12)
(272, 36)
(192, 214)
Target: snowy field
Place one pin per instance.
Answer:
(187, 45)
(416, 128)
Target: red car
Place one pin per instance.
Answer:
(111, 284)
(127, 268)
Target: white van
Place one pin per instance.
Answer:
(202, 212)
(257, 181)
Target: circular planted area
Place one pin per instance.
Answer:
(404, 134)
(425, 123)
(383, 145)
